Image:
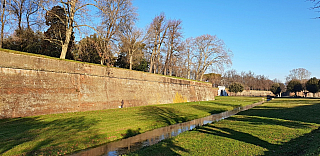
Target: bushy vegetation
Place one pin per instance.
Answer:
(236, 87)
(313, 85)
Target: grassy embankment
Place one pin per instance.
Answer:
(54, 58)
(66, 133)
(279, 127)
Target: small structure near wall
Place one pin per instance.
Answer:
(222, 91)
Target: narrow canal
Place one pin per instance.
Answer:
(134, 143)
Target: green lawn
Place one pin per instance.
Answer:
(66, 133)
(279, 127)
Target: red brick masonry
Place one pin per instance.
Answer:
(31, 85)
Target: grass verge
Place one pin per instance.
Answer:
(279, 127)
(66, 133)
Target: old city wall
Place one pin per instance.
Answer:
(31, 85)
(246, 93)
(252, 93)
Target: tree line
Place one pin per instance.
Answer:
(249, 80)
(298, 80)
(104, 32)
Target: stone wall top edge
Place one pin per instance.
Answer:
(21, 61)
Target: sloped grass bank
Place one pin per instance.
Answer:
(279, 127)
(70, 132)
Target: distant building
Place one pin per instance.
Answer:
(222, 91)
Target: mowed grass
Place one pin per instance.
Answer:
(70, 132)
(280, 127)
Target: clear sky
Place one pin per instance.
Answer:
(268, 37)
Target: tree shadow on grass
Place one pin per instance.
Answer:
(168, 116)
(166, 147)
(31, 135)
(303, 113)
(225, 104)
(237, 135)
(308, 144)
(131, 133)
(209, 109)
(256, 120)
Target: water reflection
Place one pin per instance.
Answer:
(134, 143)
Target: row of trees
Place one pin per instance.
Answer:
(249, 80)
(312, 86)
(51, 28)
(298, 81)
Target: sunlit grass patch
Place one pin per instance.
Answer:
(66, 133)
(279, 127)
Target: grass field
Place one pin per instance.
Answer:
(66, 133)
(279, 127)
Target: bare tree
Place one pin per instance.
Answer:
(189, 56)
(32, 8)
(316, 5)
(17, 9)
(104, 47)
(157, 32)
(3, 19)
(114, 13)
(173, 44)
(300, 74)
(209, 50)
(231, 76)
(248, 79)
(131, 43)
(118, 16)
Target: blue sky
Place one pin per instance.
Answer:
(268, 37)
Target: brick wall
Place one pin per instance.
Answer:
(250, 93)
(31, 85)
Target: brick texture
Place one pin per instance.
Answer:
(31, 85)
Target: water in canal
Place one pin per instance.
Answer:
(134, 143)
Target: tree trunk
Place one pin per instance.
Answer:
(130, 62)
(65, 44)
(152, 59)
(201, 76)
(151, 64)
(102, 60)
(2, 25)
(159, 65)
(64, 51)
(170, 65)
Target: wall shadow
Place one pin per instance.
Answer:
(18, 131)
(307, 144)
(131, 133)
(165, 148)
(256, 120)
(268, 115)
(303, 113)
(232, 134)
(224, 104)
(166, 115)
(209, 109)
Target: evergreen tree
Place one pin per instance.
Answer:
(312, 85)
(294, 86)
(56, 33)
